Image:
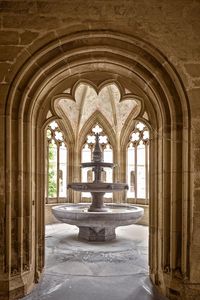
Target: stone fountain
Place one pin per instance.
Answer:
(97, 221)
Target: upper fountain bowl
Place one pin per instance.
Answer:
(98, 187)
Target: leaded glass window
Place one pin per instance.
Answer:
(138, 162)
(56, 164)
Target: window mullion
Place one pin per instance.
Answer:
(146, 173)
(47, 175)
(58, 163)
(135, 173)
(66, 166)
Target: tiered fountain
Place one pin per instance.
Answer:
(97, 222)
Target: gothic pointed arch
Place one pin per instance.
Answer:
(107, 55)
(124, 136)
(136, 159)
(128, 127)
(64, 121)
(97, 117)
(85, 82)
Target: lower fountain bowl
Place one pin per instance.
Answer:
(98, 226)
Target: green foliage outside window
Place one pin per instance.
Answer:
(52, 180)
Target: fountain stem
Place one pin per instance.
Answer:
(97, 158)
(97, 188)
(97, 202)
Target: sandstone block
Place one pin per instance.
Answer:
(196, 82)
(45, 7)
(195, 241)
(19, 7)
(32, 21)
(4, 67)
(93, 9)
(3, 95)
(27, 37)
(196, 160)
(197, 201)
(9, 52)
(196, 177)
(194, 96)
(193, 69)
(9, 38)
(195, 140)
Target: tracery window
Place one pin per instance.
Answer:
(138, 163)
(56, 164)
(87, 174)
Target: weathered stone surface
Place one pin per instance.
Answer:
(195, 132)
(3, 94)
(27, 37)
(195, 269)
(193, 69)
(4, 67)
(196, 228)
(196, 160)
(196, 82)
(196, 180)
(197, 201)
(9, 38)
(9, 53)
(18, 7)
(35, 22)
(194, 96)
(133, 17)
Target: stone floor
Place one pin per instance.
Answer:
(78, 270)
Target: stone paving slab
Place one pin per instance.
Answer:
(76, 270)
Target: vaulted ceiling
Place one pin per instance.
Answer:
(108, 101)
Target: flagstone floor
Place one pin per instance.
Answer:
(77, 270)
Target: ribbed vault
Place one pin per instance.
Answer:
(88, 100)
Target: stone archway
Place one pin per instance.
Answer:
(130, 61)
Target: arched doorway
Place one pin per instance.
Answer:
(149, 76)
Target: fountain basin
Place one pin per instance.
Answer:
(98, 187)
(98, 226)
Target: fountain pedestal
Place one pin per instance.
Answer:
(97, 234)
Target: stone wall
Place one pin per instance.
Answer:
(171, 26)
